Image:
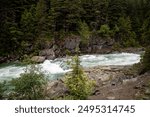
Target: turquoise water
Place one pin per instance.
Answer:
(56, 68)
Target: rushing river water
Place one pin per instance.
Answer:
(58, 67)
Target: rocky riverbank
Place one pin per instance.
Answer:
(112, 82)
(67, 46)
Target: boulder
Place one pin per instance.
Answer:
(56, 89)
(48, 53)
(71, 43)
(38, 59)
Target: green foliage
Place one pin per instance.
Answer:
(1, 90)
(146, 60)
(145, 37)
(84, 32)
(64, 15)
(78, 84)
(28, 23)
(30, 85)
(116, 9)
(104, 30)
(126, 35)
(5, 89)
(25, 24)
(101, 11)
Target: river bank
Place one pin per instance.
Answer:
(112, 83)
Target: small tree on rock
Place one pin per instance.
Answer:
(77, 82)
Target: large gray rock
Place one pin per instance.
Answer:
(56, 89)
(72, 42)
(38, 59)
(48, 53)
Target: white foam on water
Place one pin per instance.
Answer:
(58, 66)
(109, 59)
(10, 72)
(52, 68)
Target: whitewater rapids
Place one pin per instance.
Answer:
(58, 67)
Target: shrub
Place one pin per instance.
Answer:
(104, 30)
(84, 32)
(126, 36)
(1, 90)
(146, 60)
(78, 84)
(30, 85)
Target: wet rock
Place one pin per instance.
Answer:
(38, 59)
(48, 53)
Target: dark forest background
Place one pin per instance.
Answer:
(25, 23)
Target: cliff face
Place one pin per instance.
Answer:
(93, 45)
(67, 46)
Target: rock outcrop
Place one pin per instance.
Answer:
(98, 45)
(47, 53)
(38, 59)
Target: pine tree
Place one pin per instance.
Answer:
(41, 15)
(146, 60)
(78, 84)
(126, 36)
(65, 14)
(101, 11)
(116, 9)
(145, 29)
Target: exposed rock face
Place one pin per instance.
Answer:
(3, 59)
(98, 45)
(48, 53)
(38, 59)
(56, 89)
(71, 43)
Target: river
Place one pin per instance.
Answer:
(56, 68)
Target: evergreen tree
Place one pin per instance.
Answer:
(145, 29)
(28, 27)
(126, 36)
(146, 60)
(88, 12)
(41, 15)
(116, 9)
(101, 11)
(84, 32)
(65, 14)
(78, 84)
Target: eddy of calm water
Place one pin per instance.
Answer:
(56, 68)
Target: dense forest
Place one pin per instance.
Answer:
(27, 24)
